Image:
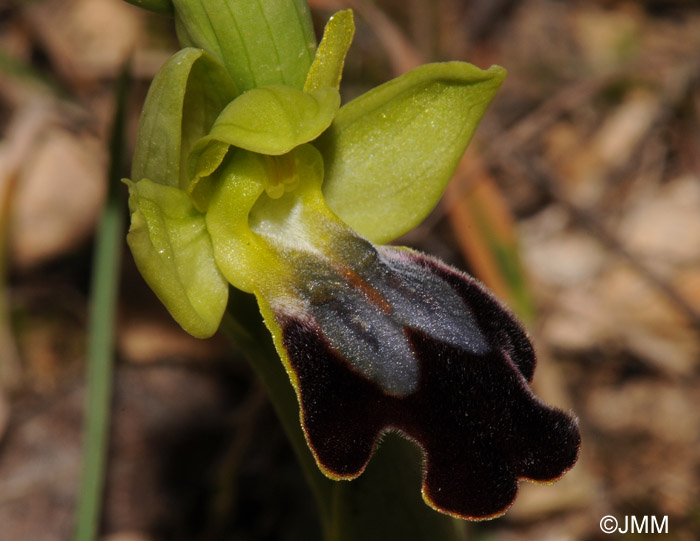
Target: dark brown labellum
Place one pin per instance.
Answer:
(470, 407)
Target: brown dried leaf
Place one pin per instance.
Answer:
(148, 339)
(586, 164)
(86, 39)
(58, 198)
(402, 54)
(483, 226)
(663, 225)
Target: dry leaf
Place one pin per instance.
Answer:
(58, 197)
(86, 39)
(483, 226)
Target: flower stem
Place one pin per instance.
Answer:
(254, 341)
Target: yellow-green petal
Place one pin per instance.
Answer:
(275, 119)
(327, 68)
(270, 120)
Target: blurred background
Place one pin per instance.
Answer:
(578, 203)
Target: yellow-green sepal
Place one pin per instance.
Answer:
(184, 100)
(170, 243)
(389, 153)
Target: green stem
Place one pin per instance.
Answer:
(100, 336)
(255, 342)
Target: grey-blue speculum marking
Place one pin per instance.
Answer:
(364, 311)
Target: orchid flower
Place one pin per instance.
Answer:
(247, 172)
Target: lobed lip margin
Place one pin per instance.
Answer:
(478, 423)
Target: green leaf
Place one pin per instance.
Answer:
(172, 249)
(185, 98)
(327, 68)
(101, 330)
(390, 152)
(261, 42)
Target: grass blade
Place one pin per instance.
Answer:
(100, 341)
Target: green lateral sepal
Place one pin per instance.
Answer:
(390, 152)
(184, 100)
(172, 249)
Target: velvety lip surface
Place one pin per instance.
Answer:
(473, 414)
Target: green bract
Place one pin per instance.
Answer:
(260, 43)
